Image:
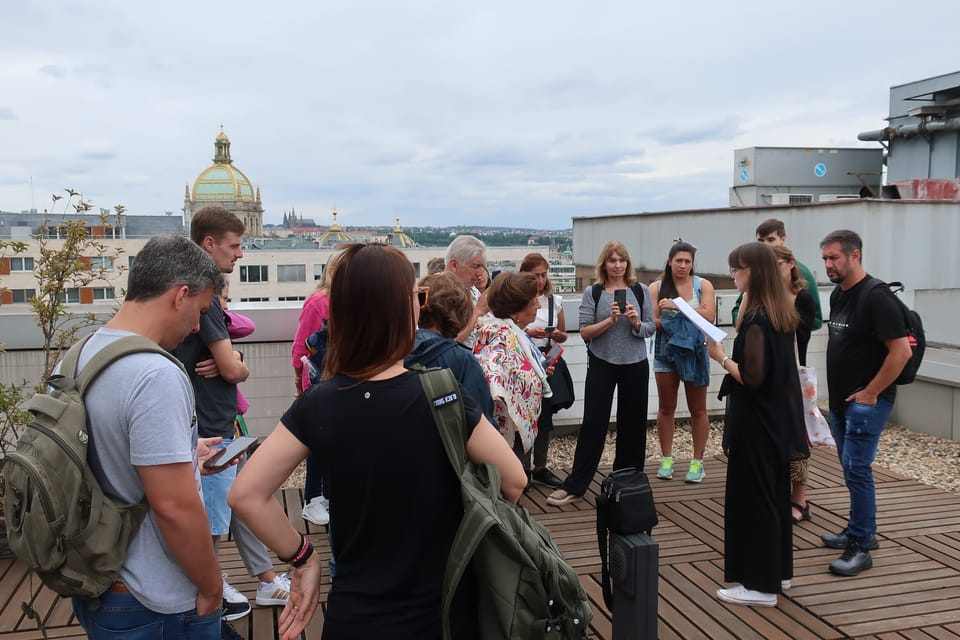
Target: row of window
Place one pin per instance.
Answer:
(285, 273)
(70, 296)
(26, 264)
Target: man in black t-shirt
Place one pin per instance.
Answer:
(866, 351)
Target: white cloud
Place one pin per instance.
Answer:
(441, 113)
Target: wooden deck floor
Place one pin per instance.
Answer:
(912, 593)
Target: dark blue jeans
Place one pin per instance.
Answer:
(857, 431)
(121, 615)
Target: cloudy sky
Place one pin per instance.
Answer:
(521, 113)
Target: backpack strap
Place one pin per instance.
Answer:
(108, 355)
(596, 290)
(443, 395)
(638, 294)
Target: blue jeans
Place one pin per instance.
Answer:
(857, 431)
(121, 615)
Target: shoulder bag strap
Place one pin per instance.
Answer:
(602, 504)
(549, 314)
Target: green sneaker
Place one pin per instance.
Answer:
(695, 473)
(665, 472)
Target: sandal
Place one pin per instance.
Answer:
(804, 510)
(561, 497)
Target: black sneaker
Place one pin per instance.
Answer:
(546, 477)
(853, 560)
(235, 610)
(839, 541)
(227, 632)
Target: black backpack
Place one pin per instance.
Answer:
(526, 589)
(915, 334)
(316, 344)
(59, 522)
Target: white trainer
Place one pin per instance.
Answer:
(231, 594)
(784, 585)
(274, 594)
(317, 511)
(748, 597)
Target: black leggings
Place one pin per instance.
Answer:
(631, 382)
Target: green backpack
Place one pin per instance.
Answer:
(527, 591)
(58, 519)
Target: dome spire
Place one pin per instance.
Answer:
(222, 148)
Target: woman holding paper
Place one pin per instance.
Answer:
(680, 354)
(763, 432)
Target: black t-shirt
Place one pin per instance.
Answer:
(216, 398)
(395, 505)
(856, 349)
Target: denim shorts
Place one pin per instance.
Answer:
(662, 366)
(215, 490)
(120, 615)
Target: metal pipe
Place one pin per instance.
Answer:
(910, 130)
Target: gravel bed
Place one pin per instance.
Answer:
(921, 457)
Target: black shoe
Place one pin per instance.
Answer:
(227, 632)
(546, 477)
(839, 541)
(235, 610)
(853, 560)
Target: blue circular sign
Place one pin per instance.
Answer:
(744, 174)
(819, 169)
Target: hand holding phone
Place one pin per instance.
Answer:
(231, 452)
(549, 329)
(552, 355)
(620, 297)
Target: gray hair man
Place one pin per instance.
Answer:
(466, 258)
(144, 446)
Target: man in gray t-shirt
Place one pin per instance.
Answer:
(144, 445)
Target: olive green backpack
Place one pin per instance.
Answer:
(58, 519)
(526, 590)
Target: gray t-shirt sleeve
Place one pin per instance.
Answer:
(160, 418)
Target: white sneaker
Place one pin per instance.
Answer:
(231, 594)
(318, 511)
(741, 595)
(784, 585)
(274, 594)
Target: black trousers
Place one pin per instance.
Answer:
(631, 382)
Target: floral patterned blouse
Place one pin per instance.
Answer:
(516, 383)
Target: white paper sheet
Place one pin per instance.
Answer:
(710, 330)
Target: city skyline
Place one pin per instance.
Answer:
(501, 115)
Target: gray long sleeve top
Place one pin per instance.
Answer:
(620, 344)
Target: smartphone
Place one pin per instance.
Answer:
(620, 297)
(232, 451)
(549, 329)
(552, 355)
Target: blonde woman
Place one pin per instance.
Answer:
(617, 353)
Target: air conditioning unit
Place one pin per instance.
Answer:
(791, 198)
(833, 197)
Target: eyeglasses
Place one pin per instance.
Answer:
(423, 296)
(476, 266)
(734, 270)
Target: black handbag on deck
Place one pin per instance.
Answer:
(561, 382)
(624, 505)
